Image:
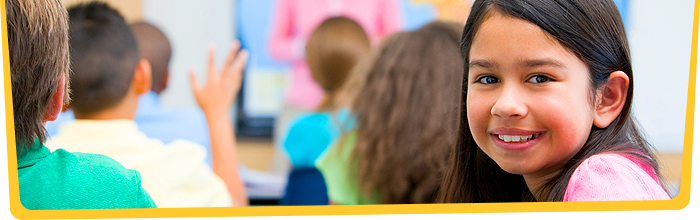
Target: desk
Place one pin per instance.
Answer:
(257, 156)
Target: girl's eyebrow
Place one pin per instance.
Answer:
(527, 63)
(482, 64)
(531, 63)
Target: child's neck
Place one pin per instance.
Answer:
(126, 109)
(535, 182)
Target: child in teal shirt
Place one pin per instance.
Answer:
(37, 33)
(64, 180)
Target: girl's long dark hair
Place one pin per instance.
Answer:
(591, 29)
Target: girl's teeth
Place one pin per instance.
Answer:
(513, 138)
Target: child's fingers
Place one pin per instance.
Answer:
(238, 70)
(210, 68)
(232, 54)
(239, 63)
(193, 81)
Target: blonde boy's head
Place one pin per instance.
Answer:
(37, 37)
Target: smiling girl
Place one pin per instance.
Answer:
(545, 111)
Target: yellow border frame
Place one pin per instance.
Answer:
(680, 202)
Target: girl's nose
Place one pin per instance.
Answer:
(510, 104)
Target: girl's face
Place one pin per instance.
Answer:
(529, 103)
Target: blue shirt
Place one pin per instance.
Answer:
(310, 134)
(157, 122)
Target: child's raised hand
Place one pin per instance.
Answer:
(215, 98)
(221, 88)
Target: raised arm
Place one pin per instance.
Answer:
(216, 98)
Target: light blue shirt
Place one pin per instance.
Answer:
(310, 134)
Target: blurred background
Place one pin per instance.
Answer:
(659, 33)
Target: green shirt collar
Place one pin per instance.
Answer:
(35, 154)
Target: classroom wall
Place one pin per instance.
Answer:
(130, 9)
(660, 35)
(191, 27)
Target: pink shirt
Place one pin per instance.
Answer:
(614, 177)
(294, 22)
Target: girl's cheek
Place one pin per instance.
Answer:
(478, 111)
(570, 123)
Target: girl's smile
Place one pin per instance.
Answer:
(515, 139)
(529, 100)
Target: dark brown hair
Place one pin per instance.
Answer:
(334, 47)
(406, 114)
(37, 38)
(104, 54)
(591, 29)
(154, 47)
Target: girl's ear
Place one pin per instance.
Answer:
(611, 99)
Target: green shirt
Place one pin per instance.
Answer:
(64, 180)
(339, 171)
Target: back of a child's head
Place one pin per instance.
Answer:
(155, 47)
(406, 113)
(333, 49)
(104, 54)
(37, 34)
(594, 32)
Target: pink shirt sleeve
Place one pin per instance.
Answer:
(614, 177)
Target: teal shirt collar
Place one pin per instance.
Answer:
(35, 154)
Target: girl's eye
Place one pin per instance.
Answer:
(539, 79)
(487, 80)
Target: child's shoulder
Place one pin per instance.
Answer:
(307, 126)
(80, 180)
(311, 118)
(614, 176)
(86, 167)
(322, 120)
